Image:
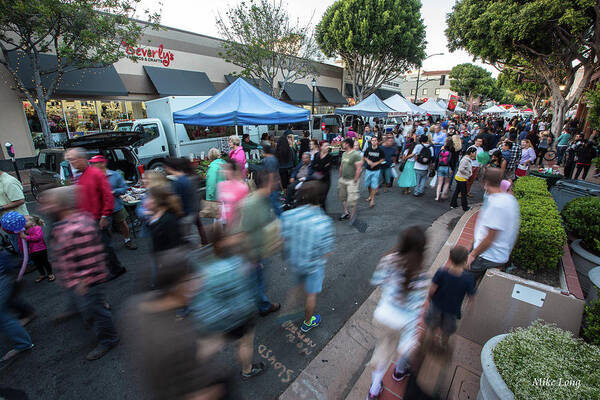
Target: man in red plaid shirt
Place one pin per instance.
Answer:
(78, 257)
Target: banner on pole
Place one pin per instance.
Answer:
(452, 102)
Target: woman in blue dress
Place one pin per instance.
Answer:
(408, 178)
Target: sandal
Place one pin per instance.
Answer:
(51, 278)
(40, 278)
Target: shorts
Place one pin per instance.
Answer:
(120, 216)
(443, 172)
(480, 265)
(348, 191)
(372, 178)
(436, 318)
(313, 281)
(241, 330)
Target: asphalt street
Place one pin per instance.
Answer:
(56, 367)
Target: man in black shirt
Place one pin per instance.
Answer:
(373, 157)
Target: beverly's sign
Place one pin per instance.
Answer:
(147, 54)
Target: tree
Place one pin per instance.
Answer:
(378, 40)
(471, 81)
(262, 40)
(527, 84)
(554, 38)
(82, 34)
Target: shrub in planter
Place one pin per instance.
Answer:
(542, 238)
(591, 330)
(530, 186)
(582, 218)
(545, 362)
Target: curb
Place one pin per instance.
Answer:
(338, 368)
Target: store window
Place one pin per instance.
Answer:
(424, 92)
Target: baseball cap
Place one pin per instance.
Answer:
(98, 159)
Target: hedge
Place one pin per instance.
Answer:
(541, 236)
(582, 218)
(527, 358)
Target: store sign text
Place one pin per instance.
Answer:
(146, 54)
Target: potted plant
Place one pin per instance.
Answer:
(539, 362)
(582, 218)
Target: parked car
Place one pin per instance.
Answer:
(115, 146)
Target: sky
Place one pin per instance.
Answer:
(199, 16)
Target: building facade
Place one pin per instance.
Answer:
(170, 62)
(432, 84)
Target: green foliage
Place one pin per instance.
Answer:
(530, 185)
(378, 40)
(582, 218)
(541, 236)
(554, 39)
(82, 33)
(541, 351)
(593, 99)
(262, 39)
(471, 81)
(591, 330)
(524, 82)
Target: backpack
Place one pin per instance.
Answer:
(227, 298)
(424, 156)
(444, 158)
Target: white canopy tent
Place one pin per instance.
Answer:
(442, 103)
(403, 106)
(433, 108)
(460, 110)
(494, 110)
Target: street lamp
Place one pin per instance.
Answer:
(314, 85)
(419, 74)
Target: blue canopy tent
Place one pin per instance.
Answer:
(241, 104)
(372, 106)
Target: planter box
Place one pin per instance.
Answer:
(491, 385)
(584, 262)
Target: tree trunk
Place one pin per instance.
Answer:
(559, 107)
(40, 110)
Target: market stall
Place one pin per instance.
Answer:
(433, 108)
(403, 106)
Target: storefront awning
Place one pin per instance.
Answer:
(179, 82)
(297, 92)
(257, 83)
(386, 94)
(331, 95)
(104, 81)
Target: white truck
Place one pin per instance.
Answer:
(162, 138)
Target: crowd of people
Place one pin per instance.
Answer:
(208, 256)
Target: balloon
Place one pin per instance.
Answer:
(483, 158)
(13, 221)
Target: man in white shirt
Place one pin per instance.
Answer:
(475, 165)
(496, 229)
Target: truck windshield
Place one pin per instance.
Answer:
(124, 127)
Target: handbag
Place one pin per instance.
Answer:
(401, 165)
(272, 239)
(211, 209)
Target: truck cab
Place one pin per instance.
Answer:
(153, 148)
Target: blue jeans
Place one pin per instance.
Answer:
(421, 180)
(560, 153)
(262, 301)
(9, 325)
(91, 307)
(275, 203)
(388, 178)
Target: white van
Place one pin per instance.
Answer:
(162, 138)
